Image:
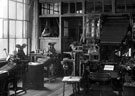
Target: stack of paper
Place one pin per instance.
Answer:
(71, 78)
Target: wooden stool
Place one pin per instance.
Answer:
(74, 80)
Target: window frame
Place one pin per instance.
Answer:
(5, 35)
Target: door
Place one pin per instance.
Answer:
(71, 31)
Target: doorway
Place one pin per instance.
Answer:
(71, 31)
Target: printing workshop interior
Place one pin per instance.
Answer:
(67, 47)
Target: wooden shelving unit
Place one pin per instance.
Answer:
(64, 10)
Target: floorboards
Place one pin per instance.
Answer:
(55, 88)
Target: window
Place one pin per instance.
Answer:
(50, 8)
(98, 6)
(120, 5)
(90, 6)
(79, 7)
(107, 5)
(14, 21)
(3, 8)
(130, 6)
(65, 8)
(94, 6)
(71, 7)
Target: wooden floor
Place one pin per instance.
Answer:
(56, 89)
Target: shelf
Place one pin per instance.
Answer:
(72, 15)
(42, 16)
(50, 38)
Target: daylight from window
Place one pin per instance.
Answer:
(14, 25)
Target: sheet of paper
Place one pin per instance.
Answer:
(72, 78)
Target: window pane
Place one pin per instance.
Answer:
(18, 29)
(120, 6)
(5, 29)
(1, 28)
(51, 8)
(11, 29)
(130, 6)
(107, 5)
(3, 8)
(72, 7)
(12, 46)
(65, 8)
(12, 9)
(20, 11)
(56, 8)
(2, 46)
(89, 6)
(98, 6)
(79, 7)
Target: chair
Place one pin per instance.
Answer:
(49, 67)
(18, 74)
(101, 79)
(68, 66)
(74, 80)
